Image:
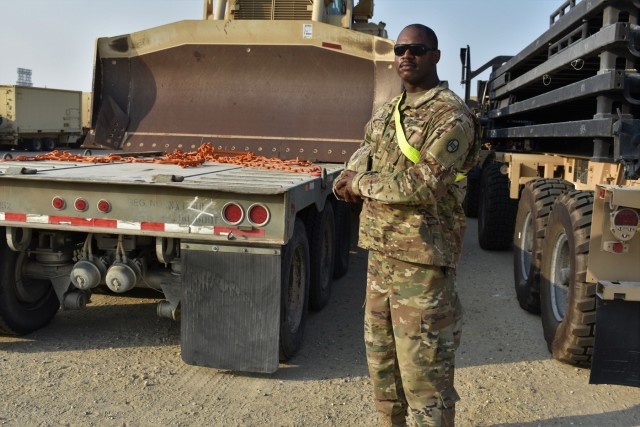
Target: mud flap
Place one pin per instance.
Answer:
(230, 307)
(616, 353)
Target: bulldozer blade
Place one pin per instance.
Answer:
(257, 86)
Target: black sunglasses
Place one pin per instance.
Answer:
(415, 49)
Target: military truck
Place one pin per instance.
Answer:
(560, 181)
(239, 252)
(34, 118)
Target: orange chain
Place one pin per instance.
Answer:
(206, 153)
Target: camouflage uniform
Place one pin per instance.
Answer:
(412, 224)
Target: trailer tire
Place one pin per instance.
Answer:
(26, 304)
(568, 302)
(534, 208)
(294, 291)
(78, 142)
(35, 144)
(48, 144)
(472, 195)
(322, 257)
(496, 210)
(342, 212)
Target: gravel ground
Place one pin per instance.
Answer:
(117, 364)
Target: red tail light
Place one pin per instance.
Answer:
(624, 223)
(58, 203)
(232, 213)
(81, 204)
(618, 247)
(625, 218)
(258, 215)
(104, 206)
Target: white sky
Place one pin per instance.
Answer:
(55, 38)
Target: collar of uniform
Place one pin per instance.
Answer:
(425, 97)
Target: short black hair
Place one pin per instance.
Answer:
(429, 34)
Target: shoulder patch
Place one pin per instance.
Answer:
(451, 147)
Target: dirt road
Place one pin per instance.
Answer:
(117, 364)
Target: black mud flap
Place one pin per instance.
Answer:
(230, 307)
(616, 353)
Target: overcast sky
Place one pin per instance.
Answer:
(55, 38)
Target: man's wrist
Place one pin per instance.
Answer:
(355, 183)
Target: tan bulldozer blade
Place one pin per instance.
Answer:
(276, 88)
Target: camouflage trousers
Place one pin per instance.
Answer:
(413, 320)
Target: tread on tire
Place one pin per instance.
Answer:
(534, 208)
(567, 300)
(496, 211)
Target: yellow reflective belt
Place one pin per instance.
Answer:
(406, 148)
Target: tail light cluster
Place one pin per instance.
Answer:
(80, 204)
(257, 214)
(624, 223)
(233, 213)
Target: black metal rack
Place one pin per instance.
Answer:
(575, 89)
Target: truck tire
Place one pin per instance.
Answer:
(26, 304)
(294, 298)
(496, 210)
(534, 208)
(35, 144)
(48, 144)
(568, 302)
(78, 142)
(472, 196)
(321, 249)
(342, 212)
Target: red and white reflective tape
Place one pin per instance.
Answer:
(127, 225)
(105, 223)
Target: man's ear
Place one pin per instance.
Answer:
(436, 56)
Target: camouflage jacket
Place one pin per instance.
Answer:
(412, 212)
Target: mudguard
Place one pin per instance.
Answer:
(616, 353)
(230, 307)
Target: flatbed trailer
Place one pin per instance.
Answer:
(129, 224)
(560, 181)
(240, 251)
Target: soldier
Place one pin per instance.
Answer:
(412, 223)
